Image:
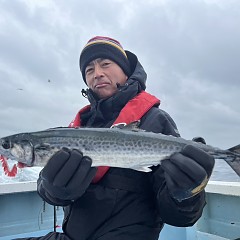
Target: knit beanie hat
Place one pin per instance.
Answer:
(104, 47)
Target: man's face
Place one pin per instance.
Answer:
(103, 75)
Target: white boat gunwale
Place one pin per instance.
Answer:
(219, 187)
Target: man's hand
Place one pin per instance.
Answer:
(67, 174)
(187, 172)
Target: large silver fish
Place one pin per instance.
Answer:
(115, 147)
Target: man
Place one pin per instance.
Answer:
(112, 203)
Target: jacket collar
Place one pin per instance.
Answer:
(104, 111)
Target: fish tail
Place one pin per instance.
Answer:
(234, 160)
(235, 149)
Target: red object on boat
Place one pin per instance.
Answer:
(7, 171)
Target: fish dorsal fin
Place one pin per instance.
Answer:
(133, 126)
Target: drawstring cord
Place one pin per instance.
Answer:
(84, 93)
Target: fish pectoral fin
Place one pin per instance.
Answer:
(143, 169)
(42, 146)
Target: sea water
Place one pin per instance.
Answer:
(223, 172)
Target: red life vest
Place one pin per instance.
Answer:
(132, 111)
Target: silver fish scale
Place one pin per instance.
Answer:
(107, 147)
(134, 151)
(122, 148)
(117, 148)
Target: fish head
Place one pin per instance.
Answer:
(18, 147)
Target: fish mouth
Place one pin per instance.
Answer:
(22, 165)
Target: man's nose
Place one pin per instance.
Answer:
(98, 71)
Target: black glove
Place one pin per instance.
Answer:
(67, 174)
(187, 172)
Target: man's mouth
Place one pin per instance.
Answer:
(101, 85)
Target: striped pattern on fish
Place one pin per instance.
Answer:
(116, 147)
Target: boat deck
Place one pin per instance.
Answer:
(25, 214)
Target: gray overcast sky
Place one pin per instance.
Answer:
(189, 48)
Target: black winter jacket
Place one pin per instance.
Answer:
(116, 208)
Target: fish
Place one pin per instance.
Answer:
(122, 147)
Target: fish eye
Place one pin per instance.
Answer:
(6, 144)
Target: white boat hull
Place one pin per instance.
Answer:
(24, 214)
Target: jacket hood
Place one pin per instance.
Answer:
(137, 71)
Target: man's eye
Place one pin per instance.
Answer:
(88, 70)
(105, 64)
